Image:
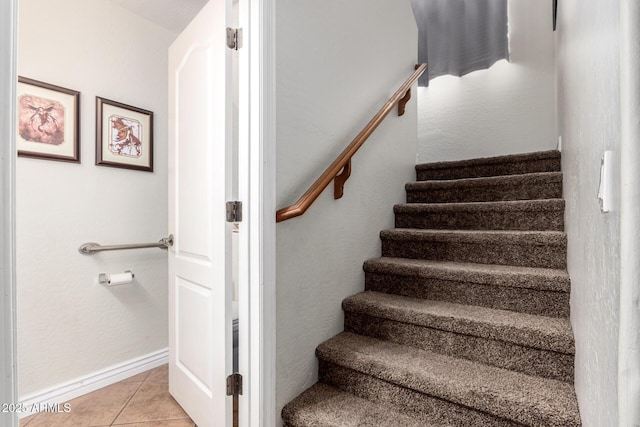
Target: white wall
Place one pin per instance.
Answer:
(589, 123)
(69, 325)
(337, 64)
(507, 109)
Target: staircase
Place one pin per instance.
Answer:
(464, 321)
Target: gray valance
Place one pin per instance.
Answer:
(460, 36)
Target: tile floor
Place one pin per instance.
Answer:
(140, 401)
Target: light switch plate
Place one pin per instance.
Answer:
(605, 192)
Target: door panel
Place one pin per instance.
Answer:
(200, 346)
(192, 307)
(194, 156)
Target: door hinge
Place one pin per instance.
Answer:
(234, 211)
(234, 384)
(234, 38)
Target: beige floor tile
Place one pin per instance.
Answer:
(26, 420)
(152, 402)
(159, 375)
(98, 408)
(137, 378)
(139, 401)
(169, 423)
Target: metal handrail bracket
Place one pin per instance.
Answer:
(340, 170)
(91, 247)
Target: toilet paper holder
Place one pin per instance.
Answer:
(105, 279)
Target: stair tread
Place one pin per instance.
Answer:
(487, 181)
(512, 205)
(510, 158)
(478, 236)
(324, 405)
(491, 274)
(503, 393)
(540, 332)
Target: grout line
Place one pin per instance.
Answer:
(152, 421)
(128, 401)
(29, 422)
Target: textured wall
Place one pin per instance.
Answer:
(589, 122)
(68, 325)
(509, 108)
(337, 64)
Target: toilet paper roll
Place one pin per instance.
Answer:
(120, 278)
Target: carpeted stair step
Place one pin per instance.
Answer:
(534, 345)
(464, 321)
(515, 164)
(547, 249)
(545, 185)
(537, 291)
(324, 406)
(443, 390)
(511, 215)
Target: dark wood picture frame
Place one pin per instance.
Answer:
(48, 121)
(124, 136)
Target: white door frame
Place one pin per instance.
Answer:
(629, 330)
(8, 77)
(257, 292)
(259, 333)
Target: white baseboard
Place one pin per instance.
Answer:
(88, 383)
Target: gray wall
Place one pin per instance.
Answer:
(589, 123)
(337, 64)
(507, 109)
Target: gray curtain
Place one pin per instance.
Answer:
(460, 36)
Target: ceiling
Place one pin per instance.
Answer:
(174, 15)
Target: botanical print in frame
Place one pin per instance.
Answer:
(48, 121)
(124, 136)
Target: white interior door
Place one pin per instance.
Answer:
(200, 182)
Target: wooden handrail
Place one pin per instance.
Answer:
(340, 169)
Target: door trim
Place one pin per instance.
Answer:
(629, 313)
(258, 154)
(8, 79)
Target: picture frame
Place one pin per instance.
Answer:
(124, 136)
(48, 121)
